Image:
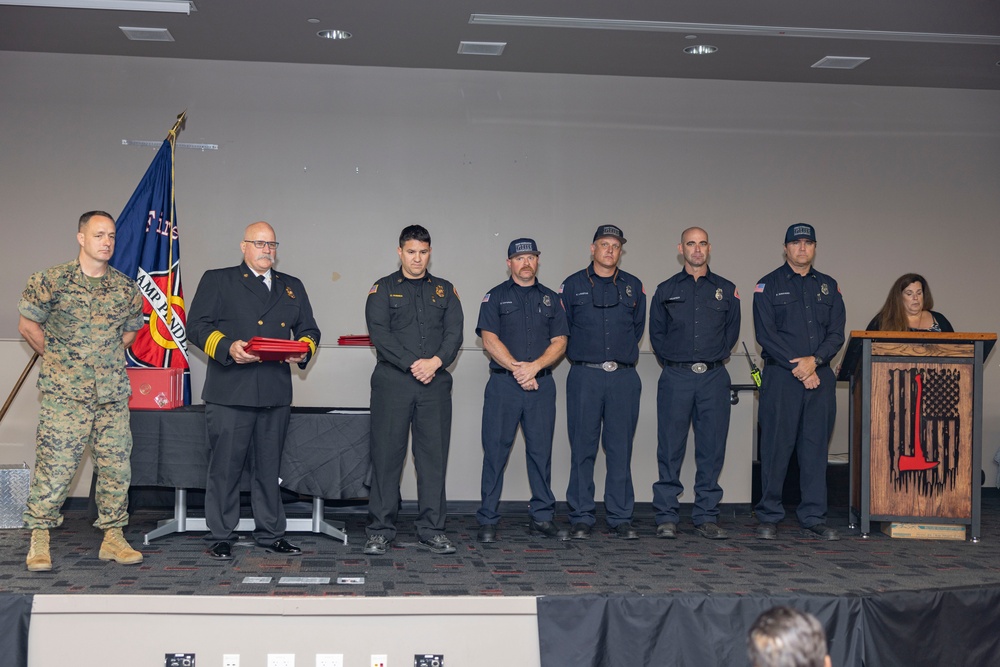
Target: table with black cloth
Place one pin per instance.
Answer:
(326, 456)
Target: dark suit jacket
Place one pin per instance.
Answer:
(232, 304)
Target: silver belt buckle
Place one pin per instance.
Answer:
(610, 366)
(699, 367)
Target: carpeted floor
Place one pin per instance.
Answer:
(517, 564)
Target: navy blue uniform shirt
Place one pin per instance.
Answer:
(694, 320)
(798, 316)
(606, 316)
(526, 319)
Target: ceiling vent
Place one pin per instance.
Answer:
(147, 34)
(839, 62)
(481, 48)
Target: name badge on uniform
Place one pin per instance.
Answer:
(546, 301)
(718, 294)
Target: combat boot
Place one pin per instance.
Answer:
(114, 547)
(38, 559)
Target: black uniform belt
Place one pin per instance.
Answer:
(540, 374)
(694, 366)
(608, 366)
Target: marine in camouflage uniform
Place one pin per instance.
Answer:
(82, 325)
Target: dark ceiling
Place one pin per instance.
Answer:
(923, 43)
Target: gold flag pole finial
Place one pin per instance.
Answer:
(178, 126)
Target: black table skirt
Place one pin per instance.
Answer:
(326, 454)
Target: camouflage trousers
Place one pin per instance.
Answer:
(65, 429)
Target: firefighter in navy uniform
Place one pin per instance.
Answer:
(415, 323)
(799, 318)
(524, 331)
(694, 321)
(606, 311)
(248, 401)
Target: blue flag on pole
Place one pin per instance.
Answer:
(147, 249)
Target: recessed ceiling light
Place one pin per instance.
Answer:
(312, 20)
(839, 62)
(481, 48)
(147, 34)
(700, 50)
(334, 34)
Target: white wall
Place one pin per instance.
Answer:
(147, 627)
(340, 158)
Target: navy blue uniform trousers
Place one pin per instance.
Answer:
(684, 398)
(596, 398)
(237, 435)
(795, 419)
(400, 405)
(505, 407)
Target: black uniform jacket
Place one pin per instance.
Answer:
(233, 304)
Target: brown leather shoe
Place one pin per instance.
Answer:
(38, 559)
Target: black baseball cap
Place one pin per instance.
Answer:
(800, 231)
(610, 230)
(522, 247)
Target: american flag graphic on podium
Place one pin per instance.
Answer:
(147, 249)
(924, 426)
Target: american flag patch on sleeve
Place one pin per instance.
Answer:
(759, 288)
(486, 298)
(373, 289)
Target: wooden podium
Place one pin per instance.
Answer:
(916, 426)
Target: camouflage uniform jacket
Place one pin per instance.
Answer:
(84, 359)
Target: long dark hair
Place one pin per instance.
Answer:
(893, 317)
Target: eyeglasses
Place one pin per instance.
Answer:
(273, 245)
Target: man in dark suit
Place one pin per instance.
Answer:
(247, 401)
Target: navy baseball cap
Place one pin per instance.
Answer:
(610, 230)
(522, 247)
(800, 231)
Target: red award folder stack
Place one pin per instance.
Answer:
(355, 339)
(156, 388)
(275, 349)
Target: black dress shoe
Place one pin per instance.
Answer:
(581, 531)
(220, 551)
(711, 531)
(667, 531)
(824, 532)
(283, 547)
(487, 533)
(767, 531)
(548, 529)
(625, 531)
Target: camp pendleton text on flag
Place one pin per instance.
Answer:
(147, 249)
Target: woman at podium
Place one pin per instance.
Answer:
(909, 308)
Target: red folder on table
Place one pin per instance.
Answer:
(354, 339)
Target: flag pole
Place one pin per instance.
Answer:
(172, 138)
